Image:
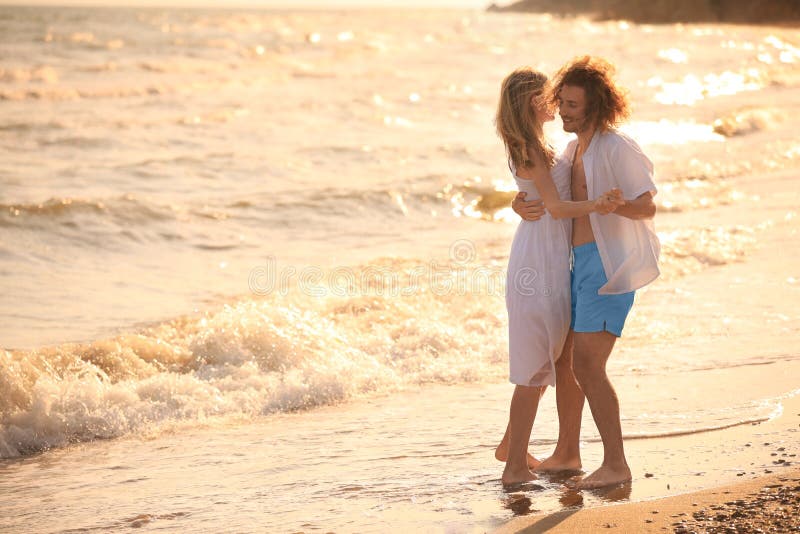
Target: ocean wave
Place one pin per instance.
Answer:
(486, 204)
(112, 223)
(372, 329)
(57, 92)
(687, 424)
(747, 121)
(692, 193)
(126, 208)
(248, 358)
(490, 202)
(154, 218)
(39, 73)
(84, 39)
(77, 141)
(28, 126)
(75, 93)
(327, 202)
(691, 250)
(486, 201)
(106, 66)
(700, 429)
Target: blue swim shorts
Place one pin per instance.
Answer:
(592, 312)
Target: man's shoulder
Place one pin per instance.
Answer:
(613, 140)
(614, 137)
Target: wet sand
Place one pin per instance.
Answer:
(766, 499)
(765, 504)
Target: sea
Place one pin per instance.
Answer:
(252, 262)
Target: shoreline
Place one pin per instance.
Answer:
(770, 503)
(766, 496)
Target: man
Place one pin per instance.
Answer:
(613, 255)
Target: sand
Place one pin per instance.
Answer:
(765, 494)
(765, 504)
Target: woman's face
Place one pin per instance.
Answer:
(542, 109)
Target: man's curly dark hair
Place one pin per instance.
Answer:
(607, 104)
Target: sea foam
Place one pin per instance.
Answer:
(250, 357)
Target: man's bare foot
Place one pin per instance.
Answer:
(557, 464)
(517, 476)
(603, 477)
(501, 453)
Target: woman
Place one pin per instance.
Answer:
(538, 277)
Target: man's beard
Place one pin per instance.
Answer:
(577, 125)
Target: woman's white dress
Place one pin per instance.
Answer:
(538, 288)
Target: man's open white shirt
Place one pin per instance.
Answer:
(628, 248)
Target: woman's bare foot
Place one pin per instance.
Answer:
(557, 463)
(603, 477)
(501, 453)
(515, 476)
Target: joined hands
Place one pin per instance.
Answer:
(533, 210)
(609, 201)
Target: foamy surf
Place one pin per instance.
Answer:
(249, 358)
(341, 335)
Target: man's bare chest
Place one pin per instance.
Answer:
(578, 181)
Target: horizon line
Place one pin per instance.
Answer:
(316, 5)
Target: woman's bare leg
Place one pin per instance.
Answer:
(524, 404)
(501, 452)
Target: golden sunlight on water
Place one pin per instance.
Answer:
(673, 54)
(693, 88)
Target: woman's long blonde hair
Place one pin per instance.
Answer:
(516, 120)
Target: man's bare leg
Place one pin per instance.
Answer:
(524, 404)
(569, 402)
(501, 452)
(590, 355)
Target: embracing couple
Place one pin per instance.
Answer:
(573, 269)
